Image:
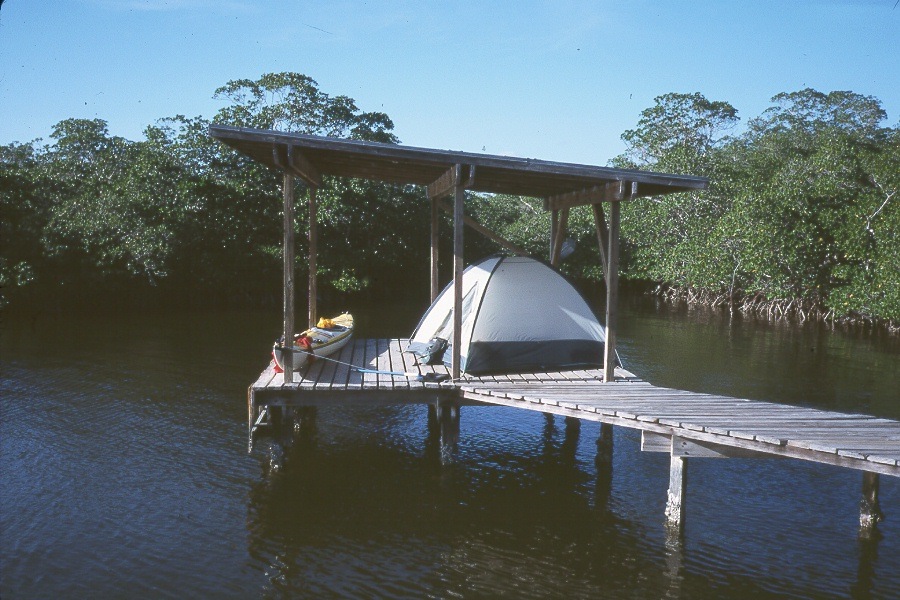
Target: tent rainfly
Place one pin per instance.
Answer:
(518, 315)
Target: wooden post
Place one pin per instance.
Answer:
(602, 235)
(313, 242)
(869, 507)
(305, 427)
(554, 225)
(288, 252)
(459, 194)
(560, 235)
(604, 463)
(447, 416)
(435, 283)
(677, 487)
(569, 448)
(605, 444)
(612, 295)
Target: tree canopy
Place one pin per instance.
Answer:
(802, 206)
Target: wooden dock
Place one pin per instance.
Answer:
(681, 423)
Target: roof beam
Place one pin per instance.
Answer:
(614, 191)
(302, 168)
(421, 166)
(445, 185)
(297, 165)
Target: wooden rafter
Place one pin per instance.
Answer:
(494, 237)
(613, 191)
(303, 168)
(443, 185)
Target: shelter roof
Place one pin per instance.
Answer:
(314, 156)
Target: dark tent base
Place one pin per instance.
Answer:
(495, 358)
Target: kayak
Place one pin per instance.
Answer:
(326, 338)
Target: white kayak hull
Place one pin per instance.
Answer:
(325, 342)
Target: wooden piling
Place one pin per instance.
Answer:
(448, 417)
(604, 464)
(680, 423)
(869, 507)
(677, 488)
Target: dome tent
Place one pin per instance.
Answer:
(519, 315)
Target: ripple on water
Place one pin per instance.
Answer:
(125, 468)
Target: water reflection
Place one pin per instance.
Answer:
(124, 467)
(515, 518)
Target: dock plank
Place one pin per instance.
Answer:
(851, 440)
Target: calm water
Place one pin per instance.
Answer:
(125, 474)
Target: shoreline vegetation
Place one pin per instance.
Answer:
(780, 309)
(801, 221)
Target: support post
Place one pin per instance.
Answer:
(313, 250)
(561, 228)
(435, 283)
(869, 507)
(305, 427)
(677, 487)
(569, 448)
(251, 419)
(554, 225)
(447, 416)
(612, 295)
(602, 236)
(288, 252)
(605, 444)
(604, 463)
(459, 196)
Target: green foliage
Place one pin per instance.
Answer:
(668, 238)
(293, 102)
(93, 213)
(678, 133)
(24, 218)
(358, 219)
(803, 205)
(522, 221)
(114, 207)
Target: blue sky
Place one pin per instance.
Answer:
(555, 80)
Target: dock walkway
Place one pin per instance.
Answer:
(746, 426)
(682, 423)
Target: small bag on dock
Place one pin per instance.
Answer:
(433, 352)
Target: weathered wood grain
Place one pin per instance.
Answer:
(703, 425)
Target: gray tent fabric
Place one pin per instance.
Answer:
(519, 315)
